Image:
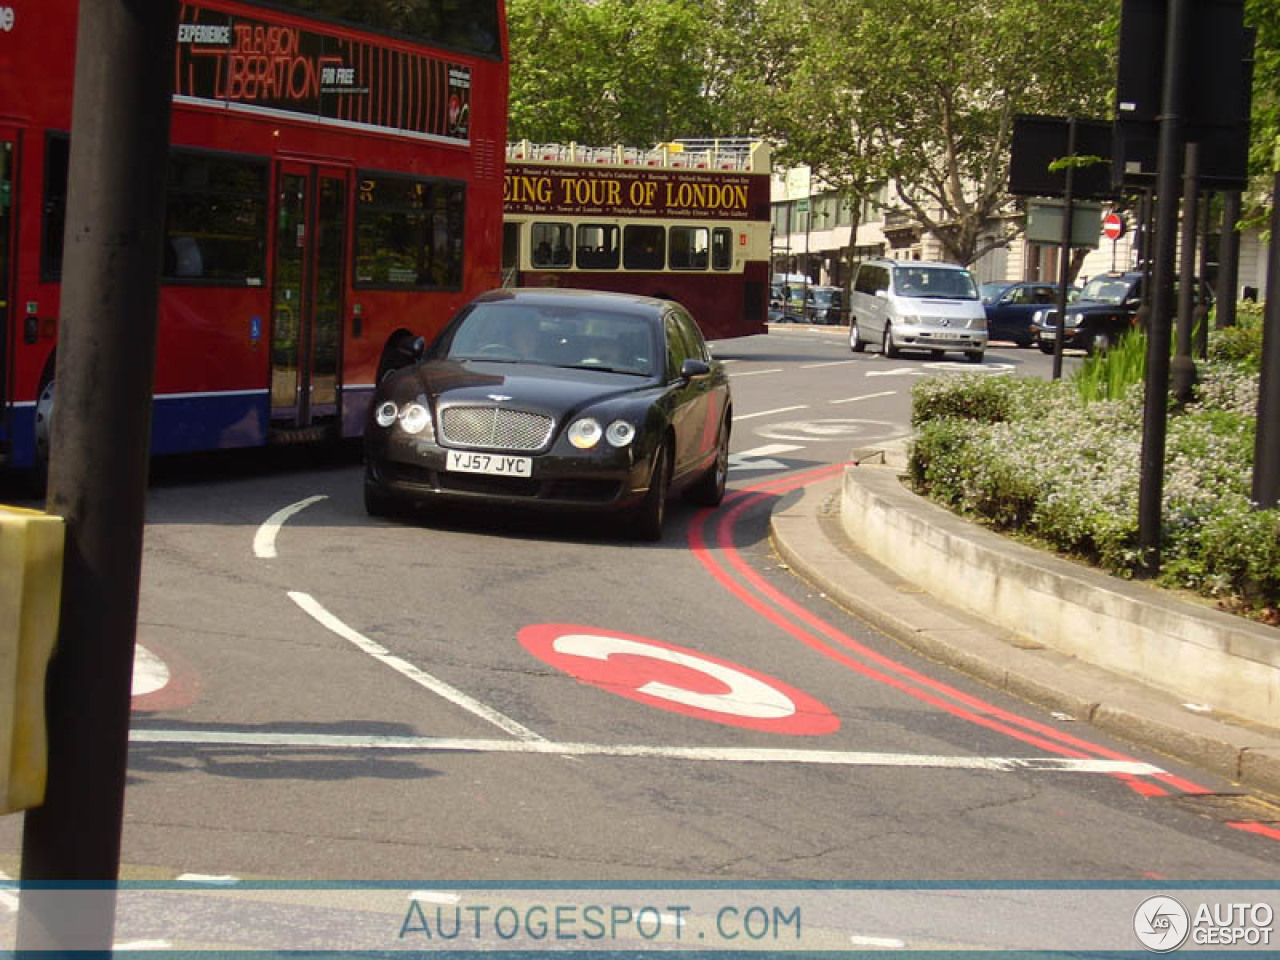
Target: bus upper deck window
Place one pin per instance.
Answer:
(552, 243)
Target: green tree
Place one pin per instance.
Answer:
(614, 71)
(921, 95)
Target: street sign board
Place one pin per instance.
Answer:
(1044, 222)
(1113, 226)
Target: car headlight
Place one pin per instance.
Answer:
(1037, 317)
(386, 414)
(1074, 320)
(620, 433)
(585, 433)
(416, 419)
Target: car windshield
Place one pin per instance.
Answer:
(1106, 290)
(990, 292)
(580, 337)
(935, 282)
(826, 298)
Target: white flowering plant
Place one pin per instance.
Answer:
(1032, 457)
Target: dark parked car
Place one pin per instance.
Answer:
(555, 399)
(1104, 312)
(1011, 307)
(825, 305)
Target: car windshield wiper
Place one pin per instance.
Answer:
(599, 367)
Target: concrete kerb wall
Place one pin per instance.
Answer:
(1194, 652)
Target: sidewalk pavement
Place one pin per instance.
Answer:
(808, 534)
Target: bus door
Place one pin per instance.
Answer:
(306, 320)
(8, 196)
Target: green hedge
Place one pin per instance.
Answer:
(1029, 457)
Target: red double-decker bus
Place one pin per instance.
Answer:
(686, 221)
(333, 191)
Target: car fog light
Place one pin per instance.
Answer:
(415, 418)
(584, 434)
(620, 433)
(386, 414)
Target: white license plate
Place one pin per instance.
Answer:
(1048, 335)
(490, 463)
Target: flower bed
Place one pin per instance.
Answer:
(1036, 458)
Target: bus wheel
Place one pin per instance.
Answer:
(44, 435)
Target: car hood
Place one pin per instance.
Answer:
(544, 389)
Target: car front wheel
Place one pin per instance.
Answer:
(888, 347)
(649, 518)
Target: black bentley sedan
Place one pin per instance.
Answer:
(555, 399)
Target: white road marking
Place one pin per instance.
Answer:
(217, 879)
(8, 901)
(435, 896)
(882, 943)
(867, 396)
(149, 672)
(767, 413)
(761, 457)
(143, 945)
(752, 373)
(723, 754)
(897, 372)
(406, 669)
(829, 363)
(264, 541)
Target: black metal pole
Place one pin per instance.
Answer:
(1266, 450)
(1200, 316)
(1229, 266)
(1064, 249)
(98, 466)
(1155, 416)
(1184, 366)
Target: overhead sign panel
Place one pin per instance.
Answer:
(1040, 142)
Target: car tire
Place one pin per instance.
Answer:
(652, 513)
(1046, 348)
(887, 346)
(856, 343)
(376, 502)
(708, 490)
(975, 356)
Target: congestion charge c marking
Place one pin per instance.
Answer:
(675, 678)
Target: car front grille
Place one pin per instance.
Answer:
(495, 428)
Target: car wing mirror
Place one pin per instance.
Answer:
(694, 368)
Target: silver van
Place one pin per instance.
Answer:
(916, 305)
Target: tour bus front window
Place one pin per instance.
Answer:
(721, 248)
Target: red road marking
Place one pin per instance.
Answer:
(675, 678)
(776, 608)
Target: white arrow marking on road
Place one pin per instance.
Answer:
(242, 738)
(751, 459)
(264, 541)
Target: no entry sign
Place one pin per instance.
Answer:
(674, 678)
(1113, 226)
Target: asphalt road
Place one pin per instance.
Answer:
(331, 697)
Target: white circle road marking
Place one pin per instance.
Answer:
(149, 672)
(809, 430)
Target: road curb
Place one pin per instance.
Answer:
(807, 534)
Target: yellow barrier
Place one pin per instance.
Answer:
(31, 545)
